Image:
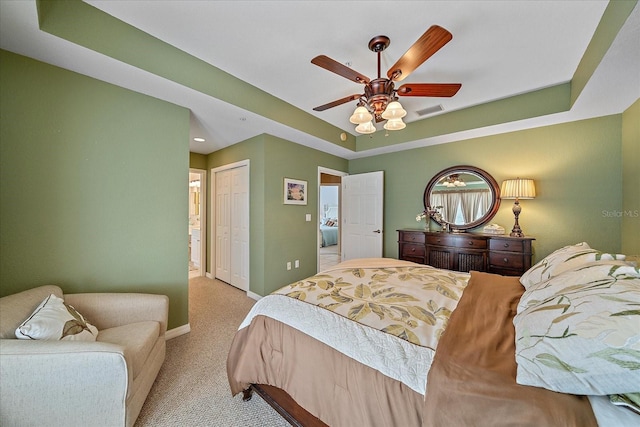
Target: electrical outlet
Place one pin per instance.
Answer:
(297, 263)
(289, 265)
(307, 217)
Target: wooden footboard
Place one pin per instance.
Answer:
(284, 404)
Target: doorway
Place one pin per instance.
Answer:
(230, 219)
(197, 224)
(329, 214)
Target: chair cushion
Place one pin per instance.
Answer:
(17, 307)
(137, 339)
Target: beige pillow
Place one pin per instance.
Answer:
(564, 259)
(55, 320)
(579, 332)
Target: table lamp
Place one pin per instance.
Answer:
(519, 188)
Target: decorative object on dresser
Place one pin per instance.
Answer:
(459, 207)
(519, 188)
(509, 256)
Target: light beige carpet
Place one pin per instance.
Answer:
(191, 388)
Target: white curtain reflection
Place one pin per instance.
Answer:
(462, 206)
(474, 204)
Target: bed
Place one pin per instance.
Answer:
(329, 233)
(329, 227)
(382, 342)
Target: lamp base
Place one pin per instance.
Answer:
(516, 231)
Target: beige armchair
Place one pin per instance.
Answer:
(79, 383)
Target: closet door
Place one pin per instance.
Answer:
(232, 225)
(240, 227)
(223, 225)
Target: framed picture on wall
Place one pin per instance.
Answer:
(295, 192)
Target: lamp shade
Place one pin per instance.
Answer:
(394, 111)
(394, 124)
(360, 116)
(519, 188)
(366, 127)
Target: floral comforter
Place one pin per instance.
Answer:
(410, 301)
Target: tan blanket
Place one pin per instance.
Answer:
(472, 379)
(330, 385)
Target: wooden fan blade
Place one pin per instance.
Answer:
(429, 89)
(338, 102)
(341, 70)
(431, 41)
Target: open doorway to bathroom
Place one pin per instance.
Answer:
(197, 253)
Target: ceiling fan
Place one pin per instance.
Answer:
(379, 100)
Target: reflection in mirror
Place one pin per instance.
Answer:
(462, 196)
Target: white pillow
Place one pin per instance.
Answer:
(579, 332)
(55, 320)
(564, 259)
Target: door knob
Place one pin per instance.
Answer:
(377, 231)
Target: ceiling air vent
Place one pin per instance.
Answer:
(430, 110)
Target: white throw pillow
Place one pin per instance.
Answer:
(579, 332)
(564, 259)
(55, 320)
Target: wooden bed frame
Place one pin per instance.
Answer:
(284, 404)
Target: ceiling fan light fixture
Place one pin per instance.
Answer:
(380, 96)
(394, 111)
(395, 124)
(366, 128)
(360, 116)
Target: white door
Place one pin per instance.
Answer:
(240, 228)
(232, 225)
(223, 225)
(362, 209)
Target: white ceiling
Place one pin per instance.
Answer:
(499, 49)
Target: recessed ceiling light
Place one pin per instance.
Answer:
(199, 139)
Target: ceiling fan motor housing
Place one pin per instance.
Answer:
(379, 92)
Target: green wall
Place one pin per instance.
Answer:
(92, 186)
(631, 180)
(576, 168)
(279, 232)
(197, 161)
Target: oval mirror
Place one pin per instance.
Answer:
(462, 196)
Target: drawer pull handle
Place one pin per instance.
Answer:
(413, 249)
(506, 260)
(470, 243)
(506, 245)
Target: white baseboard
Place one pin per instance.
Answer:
(176, 332)
(253, 295)
(208, 275)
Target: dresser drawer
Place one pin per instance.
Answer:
(506, 260)
(413, 250)
(412, 237)
(506, 245)
(457, 241)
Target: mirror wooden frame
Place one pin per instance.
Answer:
(491, 182)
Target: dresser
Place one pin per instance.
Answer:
(509, 256)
